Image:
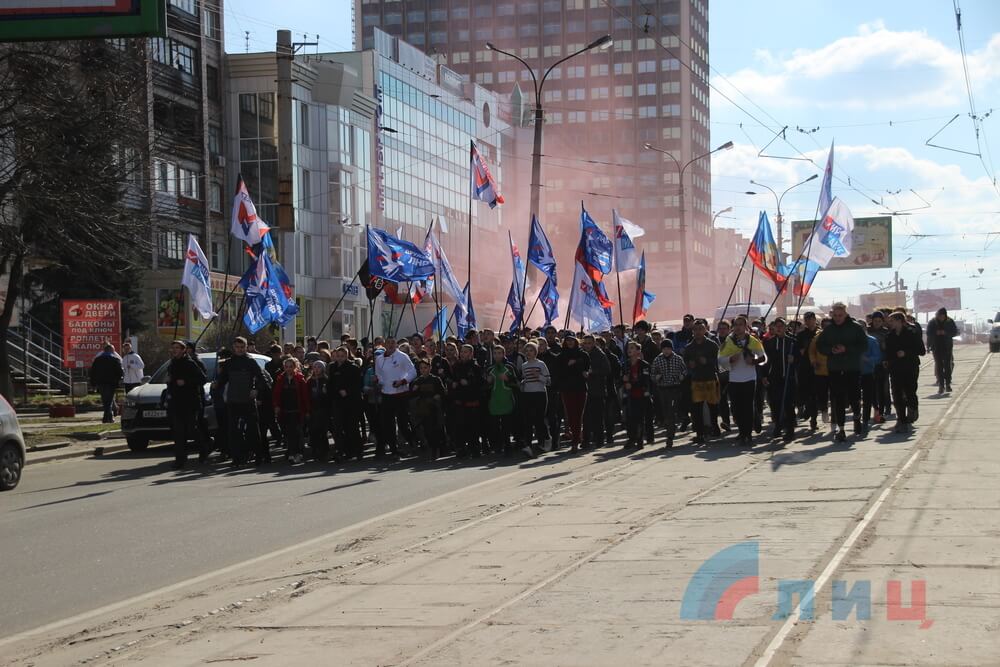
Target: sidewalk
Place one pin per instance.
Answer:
(586, 561)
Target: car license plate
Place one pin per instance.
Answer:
(154, 414)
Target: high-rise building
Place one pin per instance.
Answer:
(602, 109)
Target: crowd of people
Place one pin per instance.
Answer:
(534, 391)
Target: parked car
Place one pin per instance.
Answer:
(12, 451)
(144, 417)
(995, 333)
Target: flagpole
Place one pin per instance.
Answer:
(621, 311)
(537, 299)
(180, 308)
(753, 270)
(806, 249)
(735, 282)
(472, 147)
(503, 317)
(409, 300)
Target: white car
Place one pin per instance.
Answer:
(11, 447)
(995, 333)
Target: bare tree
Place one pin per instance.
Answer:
(73, 132)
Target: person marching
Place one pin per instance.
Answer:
(701, 356)
(903, 349)
(744, 352)
(597, 387)
(941, 332)
(636, 384)
(535, 381)
(394, 371)
(779, 378)
(882, 395)
(185, 387)
(668, 372)
(344, 391)
(871, 360)
(291, 408)
(572, 365)
(427, 409)
(240, 381)
(319, 413)
(844, 343)
(502, 403)
(466, 396)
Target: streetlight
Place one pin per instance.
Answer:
(716, 215)
(685, 296)
(602, 43)
(780, 224)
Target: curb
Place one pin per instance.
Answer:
(81, 453)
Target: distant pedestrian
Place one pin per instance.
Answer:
(291, 407)
(132, 366)
(105, 375)
(941, 332)
(903, 349)
(241, 381)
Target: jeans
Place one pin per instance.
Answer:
(107, 392)
(244, 434)
(291, 431)
(742, 396)
(844, 389)
(534, 405)
(904, 393)
(637, 417)
(184, 428)
(667, 400)
(781, 400)
(394, 412)
(867, 397)
(944, 362)
(573, 404)
(593, 419)
(346, 422)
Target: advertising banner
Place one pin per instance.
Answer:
(929, 300)
(880, 300)
(87, 326)
(872, 244)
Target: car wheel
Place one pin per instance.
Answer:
(137, 443)
(11, 465)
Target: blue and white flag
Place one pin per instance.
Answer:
(268, 295)
(540, 250)
(517, 286)
(831, 237)
(550, 301)
(585, 301)
(484, 188)
(595, 248)
(826, 190)
(626, 254)
(245, 224)
(465, 320)
(442, 267)
(195, 278)
(396, 260)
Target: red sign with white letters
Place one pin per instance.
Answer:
(87, 326)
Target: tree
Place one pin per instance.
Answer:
(73, 124)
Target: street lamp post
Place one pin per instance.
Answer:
(780, 228)
(718, 213)
(685, 294)
(536, 151)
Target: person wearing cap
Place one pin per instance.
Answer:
(941, 332)
(668, 372)
(882, 405)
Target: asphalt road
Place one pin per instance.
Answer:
(77, 535)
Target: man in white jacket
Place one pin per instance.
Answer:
(394, 371)
(133, 366)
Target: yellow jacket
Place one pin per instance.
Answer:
(817, 358)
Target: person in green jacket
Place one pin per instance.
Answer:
(844, 343)
(503, 384)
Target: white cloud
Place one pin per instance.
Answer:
(877, 68)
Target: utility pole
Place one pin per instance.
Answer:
(284, 53)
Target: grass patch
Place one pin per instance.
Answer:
(35, 438)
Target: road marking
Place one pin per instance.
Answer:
(651, 518)
(838, 558)
(79, 618)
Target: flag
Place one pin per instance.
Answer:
(594, 251)
(764, 251)
(540, 250)
(246, 226)
(416, 292)
(484, 188)
(195, 278)
(550, 301)
(516, 293)
(465, 320)
(831, 237)
(437, 326)
(826, 190)
(373, 286)
(586, 302)
(643, 299)
(626, 255)
(268, 295)
(442, 267)
(396, 260)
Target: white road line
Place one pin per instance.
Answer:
(838, 558)
(583, 560)
(79, 618)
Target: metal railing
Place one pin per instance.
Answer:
(35, 351)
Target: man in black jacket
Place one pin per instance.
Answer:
(941, 332)
(344, 392)
(186, 388)
(106, 374)
(597, 387)
(903, 349)
(241, 381)
(779, 378)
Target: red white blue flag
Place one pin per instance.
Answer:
(484, 188)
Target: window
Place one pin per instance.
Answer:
(623, 91)
(185, 6)
(188, 183)
(647, 89)
(577, 72)
(439, 15)
(553, 51)
(214, 140)
(576, 94)
(459, 12)
(210, 24)
(303, 123)
(528, 30)
(552, 95)
(574, 26)
(484, 77)
(551, 28)
(576, 116)
(165, 176)
(305, 201)
(599, 93)
(646, 66)
(170, 245)
(307, 259)
(174, 54)
(215, 198)
(218, 255)
(599, 69)
(623, 68)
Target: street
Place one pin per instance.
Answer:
(558, 560)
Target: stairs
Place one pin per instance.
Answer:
(35, 353)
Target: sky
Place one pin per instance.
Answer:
(876, 78)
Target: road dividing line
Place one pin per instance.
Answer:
(845, 548)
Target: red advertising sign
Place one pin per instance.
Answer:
(930, 300)
(87, 326)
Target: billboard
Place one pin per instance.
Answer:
(35, 20)
(929, 300)
(87, 326)
(881, 300)
(872, 243)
